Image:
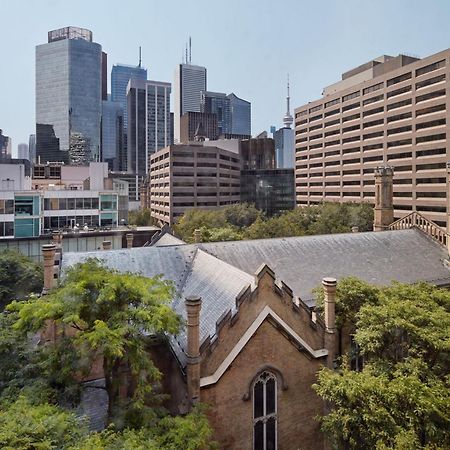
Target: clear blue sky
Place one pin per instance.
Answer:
(248, 46)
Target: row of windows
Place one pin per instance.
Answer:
(407, 115)
(390, 82)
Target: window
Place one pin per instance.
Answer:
(350, 96)
(373, 88)
(315, 108)
(265, 412)
(378, 98)
(399, 79)
(332, 102)
(430, 67)
(430, 81)
(430, 96)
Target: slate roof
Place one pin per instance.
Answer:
(194, 272)
(301, 262)
(218, 271)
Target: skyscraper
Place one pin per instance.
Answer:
(5, 147)
(32, 147)
(22, 151)
(112, 134)
(149, 124)
(219, 104)
(241, 121)
(284, 139)
(120, 76)
(68, 97)
(189, 82)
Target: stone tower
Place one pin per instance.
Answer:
(384, 208)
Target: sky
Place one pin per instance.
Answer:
(247, 46)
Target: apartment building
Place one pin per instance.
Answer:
(183, 177)
(391, 110)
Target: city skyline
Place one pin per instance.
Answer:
(253, 57)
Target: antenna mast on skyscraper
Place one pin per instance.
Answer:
(140, 58)
(186, 54)
(190, 50)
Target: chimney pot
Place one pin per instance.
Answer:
(198, 236)
(48, 253)
(193, 307)
(329, 287)
(129, 237)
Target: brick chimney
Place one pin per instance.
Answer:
(329, 288)
(57, 237)
(48, 252)
(384, 207)
(331, 336)
(197, 236)
(106, 245)
(193, 306)
(129, 237)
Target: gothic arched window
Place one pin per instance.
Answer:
(265, 412)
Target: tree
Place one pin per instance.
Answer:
(241, 215)
(19, 277)
(24, 425)
(400, 398)
(103, 315)
(141, 217)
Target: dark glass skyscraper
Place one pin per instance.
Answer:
(120, 76)
(149, 122)
(68, 97)
(219, 104)
(241, 122)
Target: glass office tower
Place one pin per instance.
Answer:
(68, 97)
(219, 104)
(149, 122)
(189, 82)
(120, 76)
(241, 122)
(112, 134)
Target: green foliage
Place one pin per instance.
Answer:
(243, 221)
(19, 277)
(409, 320)
(191, 432)
(27, 426)
(351, 294)
(109, 314)
(140, 218)
(400, 399)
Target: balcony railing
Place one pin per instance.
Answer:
(415, 219)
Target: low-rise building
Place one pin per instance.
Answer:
(58, 197)
(194, 175)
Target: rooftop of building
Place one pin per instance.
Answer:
(218, 272)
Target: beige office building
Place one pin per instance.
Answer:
(392, 111)
(194, 175)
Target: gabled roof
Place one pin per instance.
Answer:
(301, 262)
(194, 272)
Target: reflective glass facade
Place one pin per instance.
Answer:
(218, 104)
(241, 122)
(149, 123)
(68, 100)
(271, 190)
(112, 134)
(285, 148)
(120, 76)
